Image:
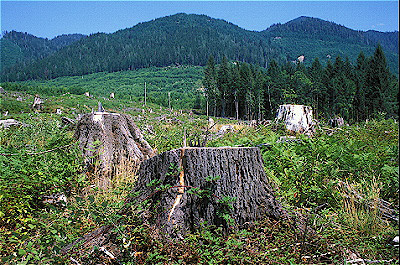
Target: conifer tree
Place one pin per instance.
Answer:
(377, 83)
(235, 88)
(273, 89)
(319, 92)
(359, 107)
(223, 84)
(246, 82)
(210, 84)
(327, 81)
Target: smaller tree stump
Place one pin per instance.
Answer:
(297, 118)
(336, 122)
(37, 103)
(114, 142)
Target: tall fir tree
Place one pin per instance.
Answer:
(319, 91)
(359, 107)
(235, 89)
(377, 83)
(274, 88)
(331, 93)
(210, 85)
(223, 80)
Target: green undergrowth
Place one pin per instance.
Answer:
(316, 176)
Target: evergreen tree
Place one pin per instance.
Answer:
(301, 92)
(330, 95)
(259, 83)
(319, 92)
(235, 88)
(223, 81)
(359, 106)
(275, 86)
(288, 68)
(377, 83)
(300, 67)
(210, 85)
(245, 94)
(343, 89)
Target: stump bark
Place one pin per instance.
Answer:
(297, 118)
(111, 143)
(198, 185)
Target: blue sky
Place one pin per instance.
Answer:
(49, 19)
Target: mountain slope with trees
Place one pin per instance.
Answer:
(177, 39)
(191, 39)
(330, 31)
(316, 38)
(19, 47)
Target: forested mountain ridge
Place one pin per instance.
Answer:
(317, 38)
(191, 39)
(177, 39)
(19, 47)
(324, 30)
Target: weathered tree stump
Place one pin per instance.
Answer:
(195, 186)
(111, 143)
(187, 188)
(336, 122)
(37, 103)
(297, 118)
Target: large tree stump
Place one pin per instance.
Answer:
(111, 143)
(297, 118)
(189, 185)
(195, 182)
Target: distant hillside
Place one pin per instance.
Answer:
(313, 37)
(19, 47)
(173, 40)
(183, 84)
(328, 31)
(191, 39)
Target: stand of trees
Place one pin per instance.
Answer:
(353, 91)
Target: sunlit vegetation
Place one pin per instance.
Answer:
(168, 74)
(323, 170)
(175, 87)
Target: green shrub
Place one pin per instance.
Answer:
(13, 106)
(25, 178)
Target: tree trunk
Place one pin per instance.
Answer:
(111, 144)
(297, 118)
(197, 185)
